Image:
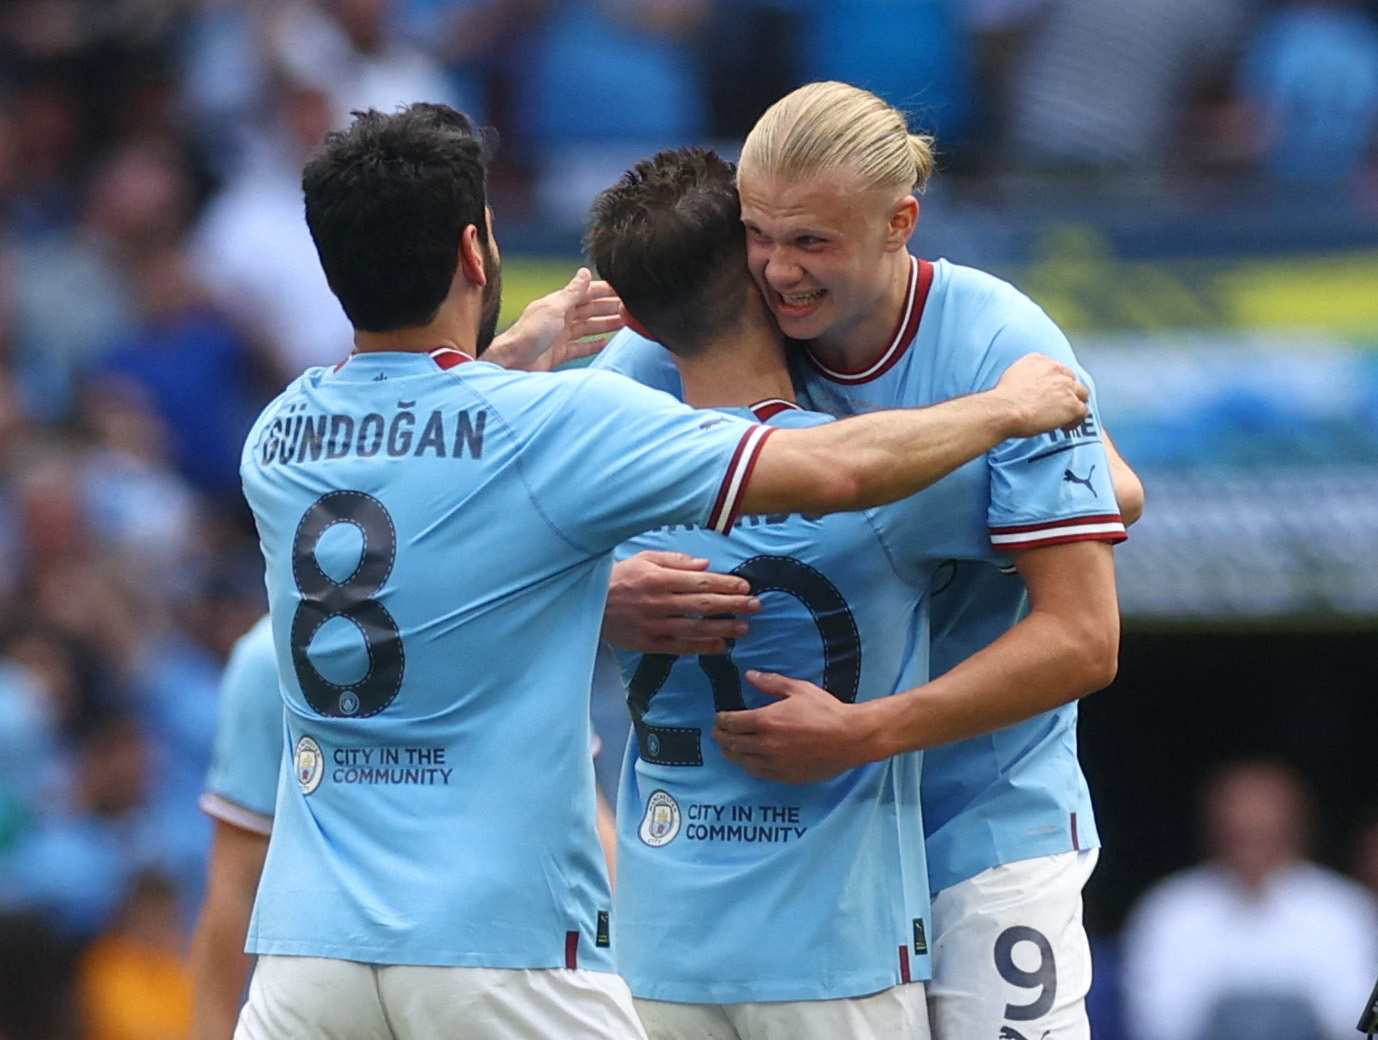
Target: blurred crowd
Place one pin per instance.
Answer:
(157, 286)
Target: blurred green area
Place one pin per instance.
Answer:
(525, 278)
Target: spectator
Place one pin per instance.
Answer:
(251, 248)
(916, 54)
(1258, 941)
(1104, 86)
(610, 82)
(132, 981)
(1310, 79)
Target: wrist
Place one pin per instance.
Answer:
(874, 732)
(1005, 414)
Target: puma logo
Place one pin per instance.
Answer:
(1010, 1033)
(1068, 477)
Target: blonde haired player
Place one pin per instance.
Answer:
(829, 180)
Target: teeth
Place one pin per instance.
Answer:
(798, 299)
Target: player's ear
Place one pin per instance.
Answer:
(903, 219)
(473, 258)
(629, 319)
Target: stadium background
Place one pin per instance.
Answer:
(1218, 275)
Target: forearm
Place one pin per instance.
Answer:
(1040, 664)
(219, 966)
(220, 970)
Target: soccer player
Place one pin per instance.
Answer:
(438, 533)
(828, 182)
(241, 789)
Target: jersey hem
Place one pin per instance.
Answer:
(220, 808)
(860, 986)
(1102, 528)
(402, 958)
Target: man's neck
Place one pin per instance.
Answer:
(453, 326)
(737, 370)
(856, 345)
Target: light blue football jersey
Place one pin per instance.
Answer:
(1019, 792)
(242, 782)
(438, 547)
(733, 889)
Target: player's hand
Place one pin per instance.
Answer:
(570, 323)
(806, 736)
(671, 603)
(1042, 395)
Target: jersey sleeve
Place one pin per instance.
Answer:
(641, 359)
(241, 785)
(655, 460)
(1055, 488)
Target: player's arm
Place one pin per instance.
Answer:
(607, 836)
(1129, 489)
(1067, 647)
(570, 323)
(670, 603)
(219, 966)
(868, 460)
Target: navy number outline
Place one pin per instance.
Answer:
(323, 598)
(682, 745)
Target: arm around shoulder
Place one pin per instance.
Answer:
(872, 459)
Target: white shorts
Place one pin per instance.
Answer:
(1010, 953)
(312, 998)
(898, 1013)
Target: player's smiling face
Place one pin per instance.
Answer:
(824, 253)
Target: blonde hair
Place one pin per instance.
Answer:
(823, 126)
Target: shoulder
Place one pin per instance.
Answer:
(982, 314)
(981, 293)
(1179, 893)
(1344, 896)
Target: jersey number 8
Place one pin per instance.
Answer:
(323, 598)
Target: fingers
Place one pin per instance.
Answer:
(676, 560)
(769, 682)
(678, 574)
(580, 284)
(599, 299)
(596, 325)
(729, 726)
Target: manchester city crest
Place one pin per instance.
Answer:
(661, 822)
(309, 763)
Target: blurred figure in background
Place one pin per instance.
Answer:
(132, 981)
(1257, 942)
(1101, 88)
(1310, 82)
(251, 249)
(611, 81)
